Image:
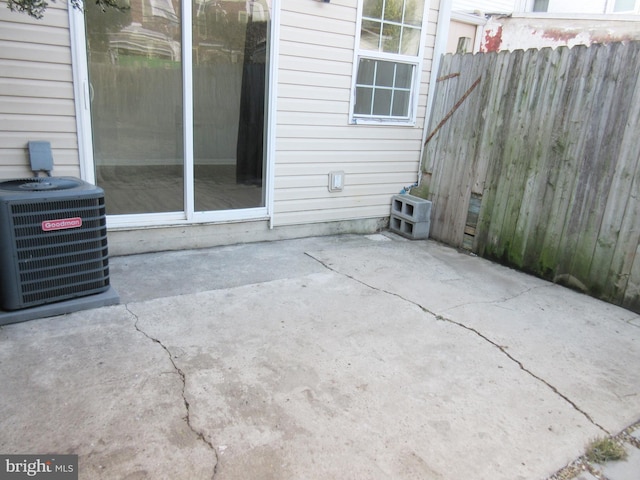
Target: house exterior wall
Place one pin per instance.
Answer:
(585, 7)
(512, 33)
(566, 23)
(36, 90)
(314, 136)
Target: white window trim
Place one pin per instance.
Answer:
(416, 61)
(82, 100)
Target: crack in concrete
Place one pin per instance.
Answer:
(499, 300)
(187, 418)
(473, 330)
(520, 364)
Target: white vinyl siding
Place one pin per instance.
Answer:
(486, 6)
(314, 137)
(36, 90)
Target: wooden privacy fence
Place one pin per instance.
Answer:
(533, 159)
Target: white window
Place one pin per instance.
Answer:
(464, 45)
(388, 61)
(624, 6)
(540, 6)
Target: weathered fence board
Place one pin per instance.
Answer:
(538, 164)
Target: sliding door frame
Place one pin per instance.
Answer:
(82, 94)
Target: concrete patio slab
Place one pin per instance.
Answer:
(89, 383)
(579, 346)
(347, 357)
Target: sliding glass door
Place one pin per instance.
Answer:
(175, 128)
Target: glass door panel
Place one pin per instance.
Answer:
(139, 123)
(229, 84)
(135, 71)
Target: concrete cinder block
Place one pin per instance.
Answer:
(411, 208)
(409, 229)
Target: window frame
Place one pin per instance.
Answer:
(416, 62)
(611, 8)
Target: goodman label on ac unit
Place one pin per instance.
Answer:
(61, 224)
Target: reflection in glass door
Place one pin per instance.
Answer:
(229, 59)
(137, 73)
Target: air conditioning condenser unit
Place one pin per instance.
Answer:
(53, 248)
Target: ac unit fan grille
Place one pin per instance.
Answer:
(60, 264)
(32, 246)
(57, 292)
